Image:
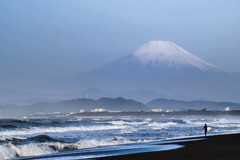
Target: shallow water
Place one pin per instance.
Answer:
(33, 137)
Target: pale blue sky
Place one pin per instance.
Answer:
(45, 40)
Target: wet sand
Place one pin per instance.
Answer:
(219, 147)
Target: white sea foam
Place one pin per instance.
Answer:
(9, 150)
(228, 126)
(196, 122)
(157, 125)
(38, 130)
(119, 123)
(100, 142)
(226, 120)
(127, 131)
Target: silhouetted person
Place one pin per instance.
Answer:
(205, 129)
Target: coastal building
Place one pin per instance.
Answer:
(227, 109)
(157, 110)
(99, 110)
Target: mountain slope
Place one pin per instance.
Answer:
(165, 68)
(165, 52)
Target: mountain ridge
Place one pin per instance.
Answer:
(177, 105)
(113, 104)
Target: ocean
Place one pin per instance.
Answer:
(51, 137)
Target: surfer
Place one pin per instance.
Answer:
(205, 129)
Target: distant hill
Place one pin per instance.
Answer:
(170, 104)
(112, 104)
(74, 105)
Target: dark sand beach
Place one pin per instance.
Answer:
(219, 147)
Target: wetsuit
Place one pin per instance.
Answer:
(205, 129)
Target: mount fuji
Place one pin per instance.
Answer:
(161, 68)
(168, 53)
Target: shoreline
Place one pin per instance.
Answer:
(213, 147)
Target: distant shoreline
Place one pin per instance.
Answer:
(148, 114)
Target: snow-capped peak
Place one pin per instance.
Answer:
(166, 52)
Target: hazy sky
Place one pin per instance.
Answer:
(52, 39)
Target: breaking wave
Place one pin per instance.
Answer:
(11, 150)
(37, 130)
(159, 126)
